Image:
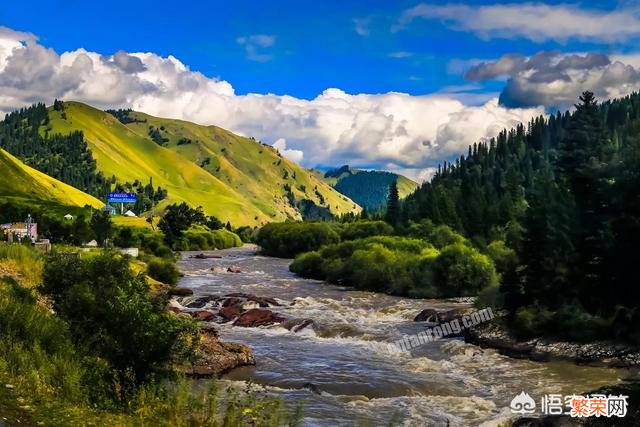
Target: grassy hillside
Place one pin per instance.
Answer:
(234, 178)
(22, 184)
(368, 188)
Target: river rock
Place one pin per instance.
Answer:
(203, 315)
(257, 317)
(296, 325)
(232, 302)
(214, 357)
(201, 301)
(229, 313)
(180, 292)
(204, 256)
(262, 301)
(427, 315)
(233, 270)
(218, 269)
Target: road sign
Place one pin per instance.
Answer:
(121, 198)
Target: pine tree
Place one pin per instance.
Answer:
(393, 204)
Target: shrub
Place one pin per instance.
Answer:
(462, 271)
(113, 316)
(289, 239)
(163, 270)
(362, 229)
(400, 265)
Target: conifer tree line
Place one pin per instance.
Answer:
(564, 193)
(25, 133)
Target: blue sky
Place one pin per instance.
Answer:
(288, 72)
(315, 44)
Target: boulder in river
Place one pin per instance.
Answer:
(229, 313)
(180, 292)
(214, 357)
(296, 325)
(205, 256)
(427, 315)
(262, 301)
(203, 315)
(233, 270)
(257, 317)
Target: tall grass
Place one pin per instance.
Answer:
(24, 260)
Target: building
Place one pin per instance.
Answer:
(110, 209)
(16, 231)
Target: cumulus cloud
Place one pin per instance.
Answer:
(538, 22)
(396, 131)
(293, 155)
(255, 45)
(554, 79)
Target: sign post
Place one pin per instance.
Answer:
(121, 198)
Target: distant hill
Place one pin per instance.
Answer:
(367, 188)
(22, 184)
(237, 179)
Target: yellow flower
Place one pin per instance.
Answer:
(247, 411)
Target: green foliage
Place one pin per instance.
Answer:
(163, 270)
(401, 266)
(63, 157)
(393, 204)
(462, 271)
(101, 225)
(114, 318)
(361, 229)
(201, 238)
(288, 239)
(178, 218)
(36, 347)
(369, 189)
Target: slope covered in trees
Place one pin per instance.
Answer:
(21, 184)
(368, 188)
(564, 193)
(236, 179)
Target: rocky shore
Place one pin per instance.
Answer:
(213, 356)
(600, 353)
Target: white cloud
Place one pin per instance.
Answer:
(556, 79)
(293, 155)
(255, 46)
(535, 21)
(394, 130)
(361, 26)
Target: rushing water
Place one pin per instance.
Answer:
(341, 369)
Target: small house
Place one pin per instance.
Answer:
(110, 209)
(17, 231)
(130, 213)
(68, 217)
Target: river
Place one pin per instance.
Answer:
(342, 370)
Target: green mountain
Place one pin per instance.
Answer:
(368, 188)
(237, 179)
(21, 184)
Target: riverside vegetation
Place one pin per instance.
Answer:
(85, 341)
(541, 221)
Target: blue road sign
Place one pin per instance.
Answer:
(121, 198)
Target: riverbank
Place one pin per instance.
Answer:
(600, 353)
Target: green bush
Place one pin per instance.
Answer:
(288, 239)
(362, 229)
(463, 271)
(163, 270)
(113, 317)
(400, 266)
(201, 238)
